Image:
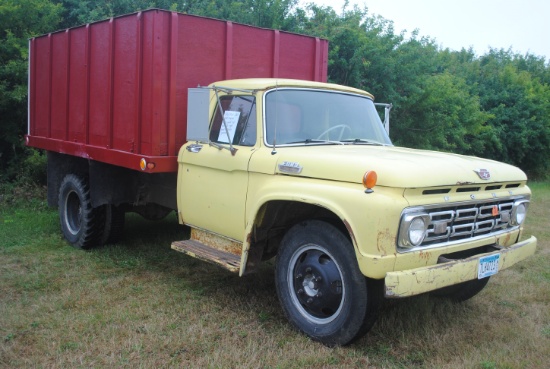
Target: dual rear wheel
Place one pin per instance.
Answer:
(83, 225)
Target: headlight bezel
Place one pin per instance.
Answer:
(405, 241)
(518, 212)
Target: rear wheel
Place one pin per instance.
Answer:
(320, 287)
(81, 224)
(463, 291)
(114, 224)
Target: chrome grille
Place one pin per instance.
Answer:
(459, 222)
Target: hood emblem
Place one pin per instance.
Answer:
(483, 174)
(290, 167)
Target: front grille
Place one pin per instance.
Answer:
(464, 221)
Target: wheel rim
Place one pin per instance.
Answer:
(315, 283)
(73, 212)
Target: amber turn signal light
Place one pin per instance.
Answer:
(369, 180)
(143, 164)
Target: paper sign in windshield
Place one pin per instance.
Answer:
(231, 120)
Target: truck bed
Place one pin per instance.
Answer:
(115, 91)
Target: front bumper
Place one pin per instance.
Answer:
(420, 280)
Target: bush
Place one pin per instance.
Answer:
(25, 179)
(34, 168)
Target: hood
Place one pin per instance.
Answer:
(395, 166)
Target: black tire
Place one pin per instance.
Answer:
(114, 224)
(81, 224)
(320, 287)
(463, 291)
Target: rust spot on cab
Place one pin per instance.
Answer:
(384, 238)
(505, 240)
(425, 256)
(216, 242)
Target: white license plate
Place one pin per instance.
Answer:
(488, 265)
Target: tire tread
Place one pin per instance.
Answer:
(93, 219)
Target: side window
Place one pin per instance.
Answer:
(239, 113)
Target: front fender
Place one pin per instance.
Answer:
(372, 219)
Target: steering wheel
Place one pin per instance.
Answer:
(341, 127)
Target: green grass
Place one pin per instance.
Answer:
(140, 304)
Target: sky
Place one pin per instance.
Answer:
(522, 25)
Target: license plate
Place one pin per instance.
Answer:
(488, 265)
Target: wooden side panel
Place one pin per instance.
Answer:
(100, 84)
(78, 88)
(59, 85)
(42, 83)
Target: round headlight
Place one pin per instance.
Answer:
(519, 216)
(413, 229)
(417, 230)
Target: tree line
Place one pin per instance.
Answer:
(495, 105)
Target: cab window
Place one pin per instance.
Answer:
(239, 113)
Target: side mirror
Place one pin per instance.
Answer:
(386, 122)
(198, 115)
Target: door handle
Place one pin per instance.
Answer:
(194, 148)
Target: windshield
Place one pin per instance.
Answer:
(300, 116)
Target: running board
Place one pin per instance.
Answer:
(216, 255)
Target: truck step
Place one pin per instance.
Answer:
(210, 254)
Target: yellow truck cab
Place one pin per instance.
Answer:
(306, 172)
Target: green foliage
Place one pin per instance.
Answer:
(33, 167)
(19, 20)
(444, 116)
(496, 105)
(262, 13)
(520, 104)
(77, 12)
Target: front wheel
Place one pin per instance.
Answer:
(320, 287)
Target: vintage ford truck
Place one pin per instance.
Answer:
(283, 165)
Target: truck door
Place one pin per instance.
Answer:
(213, 178)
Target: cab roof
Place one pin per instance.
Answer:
(262, 84)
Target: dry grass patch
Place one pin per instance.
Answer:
(140, 304)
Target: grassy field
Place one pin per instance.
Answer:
(140, 304)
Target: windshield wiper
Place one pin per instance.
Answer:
(363, 141)
(314, 141)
